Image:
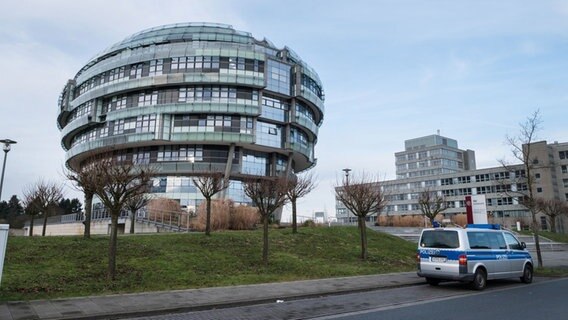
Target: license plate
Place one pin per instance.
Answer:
(439, 259)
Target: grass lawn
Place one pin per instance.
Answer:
(557, 237)
(547, 271)
(55, 267)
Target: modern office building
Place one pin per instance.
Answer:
(191, 98)
(432, 155)
(501, 186)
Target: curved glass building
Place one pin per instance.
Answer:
(191, 98)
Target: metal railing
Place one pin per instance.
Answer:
(170, 220)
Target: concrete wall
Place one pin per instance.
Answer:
(97, 227)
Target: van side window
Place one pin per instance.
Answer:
(497, 240)
(478, 240)
(439, 239)
(512, 242)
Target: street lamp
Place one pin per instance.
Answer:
(7, 143)
(346, 170)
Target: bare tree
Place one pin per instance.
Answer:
(44, 196)
(552, 208)
(210, 184)
(31, 209)
(117, 183)
(299, 187)
(521, 148)
(134, 204)
(361, 195)
(267, 194)
(86, 181)
(431, 204)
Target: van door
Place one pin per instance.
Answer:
(516, 254)
(490, 249)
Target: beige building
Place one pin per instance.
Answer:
(501, 186)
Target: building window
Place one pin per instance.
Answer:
(146, 123)
(136, 70)
(255, 163)
(210, 123)
(148, 98)
(564, 169)
(297, 136)
(123, 126)
(278, 77)
(187, 153)
(156, 67)
(537, 175)
(269, 134)
(275, 109)
(304, 112)
(563, 155)
(539, 189)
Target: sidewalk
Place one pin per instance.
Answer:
(145, 304)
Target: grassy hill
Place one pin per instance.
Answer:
(53, 267)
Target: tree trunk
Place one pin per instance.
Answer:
(32, 227)
(112, 246)
(294, 217)
(132, 221)
(265, 241)
(208, 217)
(363, 232)
(553, 224)
(44, 223)
(88, 213)
(536, 240)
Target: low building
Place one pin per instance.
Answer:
(502, 187)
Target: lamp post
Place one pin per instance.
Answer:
(6, 148)
(346, 170)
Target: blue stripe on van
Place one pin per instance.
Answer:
(475, 255)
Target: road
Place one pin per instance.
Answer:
(501, 300)
(544, 300)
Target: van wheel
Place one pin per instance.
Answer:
(432, 281)
(527, 274)
(479, 280)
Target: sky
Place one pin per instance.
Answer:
(391, 71)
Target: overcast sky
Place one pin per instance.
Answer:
(391, 70)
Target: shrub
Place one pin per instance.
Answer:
(401, 220)
(225, 215)
(220, 215)
(459, 219)
(309, 223)
(243, 218)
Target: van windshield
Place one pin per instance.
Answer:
(439, 239)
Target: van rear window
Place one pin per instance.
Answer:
(440, 239)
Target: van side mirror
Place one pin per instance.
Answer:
(523, 245)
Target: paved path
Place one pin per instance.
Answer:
(152, 303)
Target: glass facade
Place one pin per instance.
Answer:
(193, 97)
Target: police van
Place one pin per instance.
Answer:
(475, 254)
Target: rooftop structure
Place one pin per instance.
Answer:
(432, 155)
